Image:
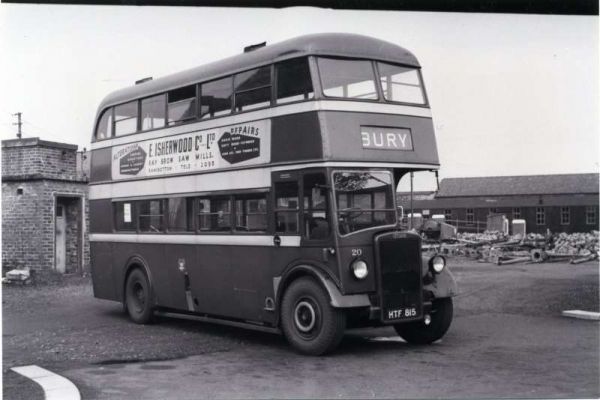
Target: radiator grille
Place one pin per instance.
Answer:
(400, 276)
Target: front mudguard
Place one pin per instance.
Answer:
(441, 285)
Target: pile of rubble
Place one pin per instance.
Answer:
(18, 276)
(498, 248)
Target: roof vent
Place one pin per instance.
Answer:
(253, 47)
(143, 80)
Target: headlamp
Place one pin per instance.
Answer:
(437, 264)
(360, 269)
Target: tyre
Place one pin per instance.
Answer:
(418, 332)
(310, 324)
(138, 297)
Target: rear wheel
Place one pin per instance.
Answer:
(310, 324)
(420, 333)
(138, 297)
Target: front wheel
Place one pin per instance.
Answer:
(138, 298)
(310, 324)
(419, 333)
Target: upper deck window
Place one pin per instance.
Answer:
(293, 81)
(253, 89)
(401, 84)
(154, 112)
(215, 97)
(126, 118)
(347, 78)
(104, 129)
(181, 104)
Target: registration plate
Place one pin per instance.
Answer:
(402, 313)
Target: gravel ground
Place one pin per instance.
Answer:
(96, 343)
(526, 289)
(61, 327)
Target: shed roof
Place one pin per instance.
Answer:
(331, 44)
(519, 185)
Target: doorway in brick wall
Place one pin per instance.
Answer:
(68, 233)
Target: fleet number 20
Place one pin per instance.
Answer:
(356, 252)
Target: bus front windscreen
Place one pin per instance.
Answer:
(364, 200)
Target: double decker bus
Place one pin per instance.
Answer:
(259, 191)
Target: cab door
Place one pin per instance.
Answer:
(302, 220)
(317, 234)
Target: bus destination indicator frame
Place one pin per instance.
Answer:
(386, 138)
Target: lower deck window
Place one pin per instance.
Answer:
(251, 214)
(214, 214)
(180, 214)
(286, 207)
(151, 216)
(124, 216)
(316, 218)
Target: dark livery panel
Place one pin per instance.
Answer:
(378, 137)
(332, 136)
(222, 281)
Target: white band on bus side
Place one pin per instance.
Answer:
(224, 240)
(296, 108)
(254, 178)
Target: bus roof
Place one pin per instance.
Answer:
(325, 44)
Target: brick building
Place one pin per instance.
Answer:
(44, 206)
(561, 203)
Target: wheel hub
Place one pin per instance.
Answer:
(139, 296)
(304, 316)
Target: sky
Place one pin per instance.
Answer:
(510, 94)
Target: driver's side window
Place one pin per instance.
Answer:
(316, 215)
